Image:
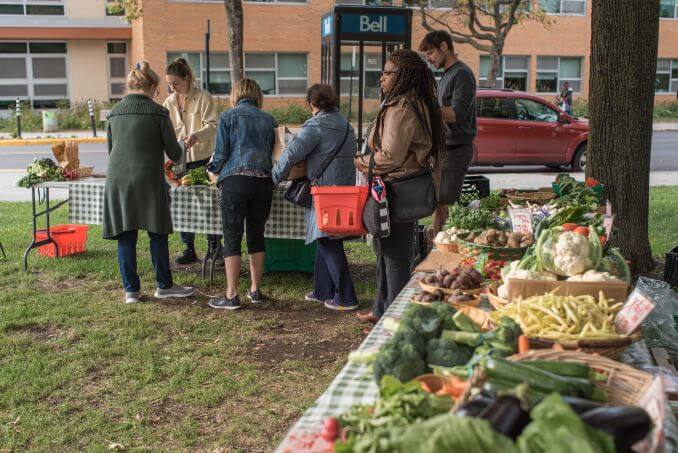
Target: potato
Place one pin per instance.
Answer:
(457, 284)
(427, 298)
(430, 280)
(438, 294)
(444, 272)
(513, 243)
(447, 282)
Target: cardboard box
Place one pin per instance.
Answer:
(519, 288)
(437, 260)
(282, 136)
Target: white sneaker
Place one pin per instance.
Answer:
(174, 291)
(133, 297)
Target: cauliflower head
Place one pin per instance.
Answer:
(572, 253)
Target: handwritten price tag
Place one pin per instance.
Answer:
(608, 220)
(521, 219)
(635, 310)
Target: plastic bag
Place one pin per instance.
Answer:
(659, 330)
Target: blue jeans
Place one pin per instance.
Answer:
(331, 275)
(127, 260)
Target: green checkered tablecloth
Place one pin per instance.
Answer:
(355, 383)
(194, 209)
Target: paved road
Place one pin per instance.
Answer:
(664, 166)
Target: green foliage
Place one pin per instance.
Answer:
(292, 114)
(666, 110)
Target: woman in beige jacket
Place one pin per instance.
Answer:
(194, 115)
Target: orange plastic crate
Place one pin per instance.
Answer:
(339, 209)
(71, 240)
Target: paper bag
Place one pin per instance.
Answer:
(282, 137)
(67, 155)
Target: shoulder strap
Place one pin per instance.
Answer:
(328, 159)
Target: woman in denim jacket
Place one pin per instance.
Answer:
(317, 141)
(242, 161)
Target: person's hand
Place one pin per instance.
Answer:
(213, 178)
(191, 140)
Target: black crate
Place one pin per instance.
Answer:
(671, 267)
(475, 187)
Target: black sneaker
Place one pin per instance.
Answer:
(188, 256)
(225, 303)
(255, 296)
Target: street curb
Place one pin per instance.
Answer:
(50, 141)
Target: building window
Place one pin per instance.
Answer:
(575, 7)
(668, 9)
(33, 71)
(32, 7)
(667, 76)
(117, 69)
(513, 72)
(553, 72)
(276, 73)
(371, 74)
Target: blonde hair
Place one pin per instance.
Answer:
(247, 89)
(142, 77)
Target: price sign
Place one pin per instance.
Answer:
(635, 310)
(608, 220)
(653, 401)
(521, 219)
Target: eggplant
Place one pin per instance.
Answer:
(580, 405)
(474, 407)
(626, 425)
(506, 415)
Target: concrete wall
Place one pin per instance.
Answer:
(88, 70)
(85, 8)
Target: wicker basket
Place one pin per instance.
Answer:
(497, 302)
(452, 247)
(537, 197)
(477, 315)
(431, 288)
(457, 305)
(611, 348)
(625, 385)
(471, 250)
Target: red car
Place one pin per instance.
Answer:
(518, 128)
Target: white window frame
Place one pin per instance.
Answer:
(274, 2)
(114, 80)
(25, 3)
(673, 82)
(557, 72)
(560, 8)
(199, 79)
(483, 78)
(30, 81)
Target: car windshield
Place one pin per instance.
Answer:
(529, 110)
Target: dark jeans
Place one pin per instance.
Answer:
(189, 238)
(127, 260)
(456, 162)
(331, 275)
(394, 260)
(245, 201)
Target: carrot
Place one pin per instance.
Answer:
(558, 347)
(523, 344)
(454, 386)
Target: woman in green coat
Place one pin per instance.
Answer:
(136, 196)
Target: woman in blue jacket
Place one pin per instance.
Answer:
(327, 132)
(242, 159)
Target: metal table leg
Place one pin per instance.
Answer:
(36, 214)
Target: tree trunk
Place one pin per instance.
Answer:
(493, 68)
(624, 39)
(234, 15)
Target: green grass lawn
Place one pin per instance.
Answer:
(81, 370)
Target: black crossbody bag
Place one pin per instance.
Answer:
(299, 191)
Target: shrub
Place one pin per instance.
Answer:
(292, 114)
(666, 110)
(580, 108)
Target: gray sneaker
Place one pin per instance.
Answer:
(174, 291)
(133, 297)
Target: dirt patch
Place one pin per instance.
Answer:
(303, 335)
(43, 332)
(78, 282)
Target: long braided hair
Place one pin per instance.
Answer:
(415, 82)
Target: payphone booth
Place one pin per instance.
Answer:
(356, 41)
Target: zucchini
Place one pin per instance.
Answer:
(494, 386)
(544, 381)
(566, 369)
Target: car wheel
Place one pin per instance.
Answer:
(579, 160)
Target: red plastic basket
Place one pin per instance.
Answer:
(339, 209)
(70, 239)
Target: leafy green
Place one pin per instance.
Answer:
(447, 353)
(471, 219)
(377, 428)
(198, 177)
(400, 359)
(423, 320)
(556, 428)
(41, 170)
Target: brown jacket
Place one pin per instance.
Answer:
(199, 117)
(405, 144)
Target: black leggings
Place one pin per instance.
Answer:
(245, 200)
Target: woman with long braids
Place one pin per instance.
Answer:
(407, 137)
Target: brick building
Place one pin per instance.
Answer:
(52, 50)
